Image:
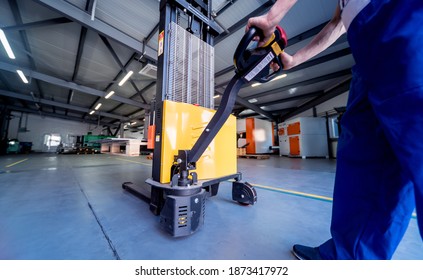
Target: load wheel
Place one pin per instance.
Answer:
(244, 193)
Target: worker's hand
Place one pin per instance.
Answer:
(263, 24)
(287, 60)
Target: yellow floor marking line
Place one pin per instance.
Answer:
(302, 194)
(307, 195)
(133, 161)
(12, 164)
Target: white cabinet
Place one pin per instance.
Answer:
(303, 137)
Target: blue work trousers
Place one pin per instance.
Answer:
(379, 177)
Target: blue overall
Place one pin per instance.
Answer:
(379, 179)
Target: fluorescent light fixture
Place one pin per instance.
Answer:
(216, 96)
(92, 112)
(252, 100)
(279, 77)
(21, 74)
(109, 94)
(275, 79)
(6, 45)
(132, 123)
(129, 74)
(98, 106)
(292, 90)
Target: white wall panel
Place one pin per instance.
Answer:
(38, 127)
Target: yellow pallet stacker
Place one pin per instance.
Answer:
(194, 145)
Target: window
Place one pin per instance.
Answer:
(333, 127)
(51, 141)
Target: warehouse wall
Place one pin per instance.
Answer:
(135, 135)
(34, 128)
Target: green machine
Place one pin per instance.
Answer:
(13, 146)
(92, 142)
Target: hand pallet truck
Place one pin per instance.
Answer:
(181, 202)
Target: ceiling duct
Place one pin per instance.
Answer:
(149, 70)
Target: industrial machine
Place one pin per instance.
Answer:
(13, 146)
(194, 145)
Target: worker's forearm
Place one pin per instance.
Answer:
(326, 37)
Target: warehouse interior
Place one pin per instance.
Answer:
(79, 99)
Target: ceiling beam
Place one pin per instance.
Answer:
(291, 98)
(81, 43)
(255, 108)
(18, 18)
(61, 105)
(147, 87)
(318, 79)
(64, 117)
(122, 67)
(69, 85)
(244, 101)
(340, 89)
(77, 15)
(292, 41)
(304, 65)
(275, 113)
(226, 5)
(8, 87)
(36, 24)
(243, 22)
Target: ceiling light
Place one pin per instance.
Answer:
(129, 74)
(98, 106)
(252, 100)
(216, 96)
(21, 74)
(275, 79)
(132, 123)
(109, 94)
(292, 90)
(6, 45)
(279, 77)
(92, 112)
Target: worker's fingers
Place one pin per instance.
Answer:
(274, 66)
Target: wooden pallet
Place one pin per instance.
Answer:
(255, 156)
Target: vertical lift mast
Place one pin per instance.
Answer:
(176, 192)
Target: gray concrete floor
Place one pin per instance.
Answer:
(73, 207)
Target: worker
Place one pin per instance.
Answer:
(379, 174)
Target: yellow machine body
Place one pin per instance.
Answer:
(182, 126)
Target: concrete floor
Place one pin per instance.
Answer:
(73, 207)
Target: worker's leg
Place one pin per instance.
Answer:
(373, 202)
(380, 171)
(394, 55)
(402, 119)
